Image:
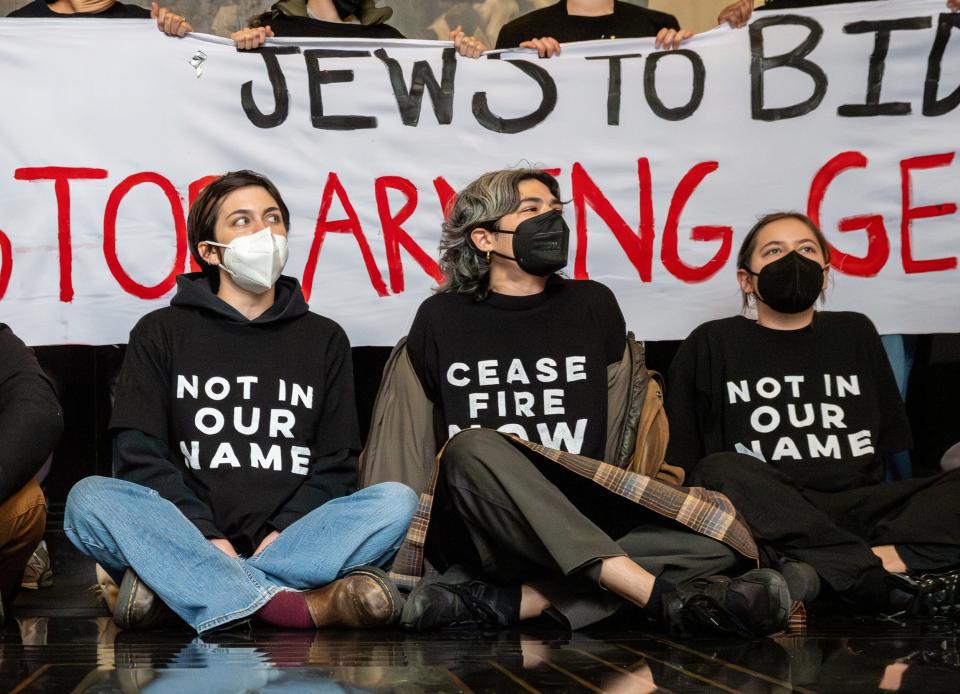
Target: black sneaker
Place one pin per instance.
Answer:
(455, 599)
(754, 604)
(929, 595)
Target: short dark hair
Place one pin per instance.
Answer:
(750, 240)
(202, 221)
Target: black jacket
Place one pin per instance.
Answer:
(31, 421)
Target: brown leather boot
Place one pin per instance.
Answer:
(363, 599)
(138, 607)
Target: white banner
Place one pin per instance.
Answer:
(850, 112)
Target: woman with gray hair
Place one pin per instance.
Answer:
(516, 362)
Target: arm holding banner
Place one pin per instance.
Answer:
(670, 39)
(250, 38)
(737, 14)
(169, 22)
(467, 46)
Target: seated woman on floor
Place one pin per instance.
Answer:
(534, 523)
(31, 423)
(235, 439)
(792, 416)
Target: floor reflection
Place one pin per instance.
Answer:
(61, 654)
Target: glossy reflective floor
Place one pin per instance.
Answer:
(61, 640)
(62, 654)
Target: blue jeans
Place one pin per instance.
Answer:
(121, 524)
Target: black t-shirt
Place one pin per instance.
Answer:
(791, 4)
(287, 25)
(627, 21)
(258, 416)
(821, 403)
(40, 8)
(535, 366)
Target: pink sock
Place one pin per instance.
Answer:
(287, 609)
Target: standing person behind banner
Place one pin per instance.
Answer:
(347, 19)
(235, 438)
(168, 22)
(586, 20)
(791, 416)
(745, 8)
(30, 427)
(520, 530)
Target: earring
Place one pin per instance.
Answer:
(488, 257)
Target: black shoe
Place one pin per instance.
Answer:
(929, 595)
(754, 604)
(802, 580)
(456, 599)
(138, 607)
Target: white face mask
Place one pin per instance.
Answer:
(254, 261)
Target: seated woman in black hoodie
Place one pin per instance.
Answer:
(235, 447)
(792, 416)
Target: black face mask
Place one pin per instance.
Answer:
(790, 284)
(348, 8)
(540, 244)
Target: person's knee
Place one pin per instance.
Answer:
(717, 557)
(28, 509)
(399, 502)
(463, 455)
(88, 497)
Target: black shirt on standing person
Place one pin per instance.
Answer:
(791, 4)
(626, 21)
(288, 25)
(118, 10)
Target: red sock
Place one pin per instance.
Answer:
(287, 608)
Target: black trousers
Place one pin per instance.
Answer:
(834, 531)
(514, 517)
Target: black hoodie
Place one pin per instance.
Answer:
(246, 425)
(30, 418)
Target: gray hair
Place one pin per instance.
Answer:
(481, 203)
